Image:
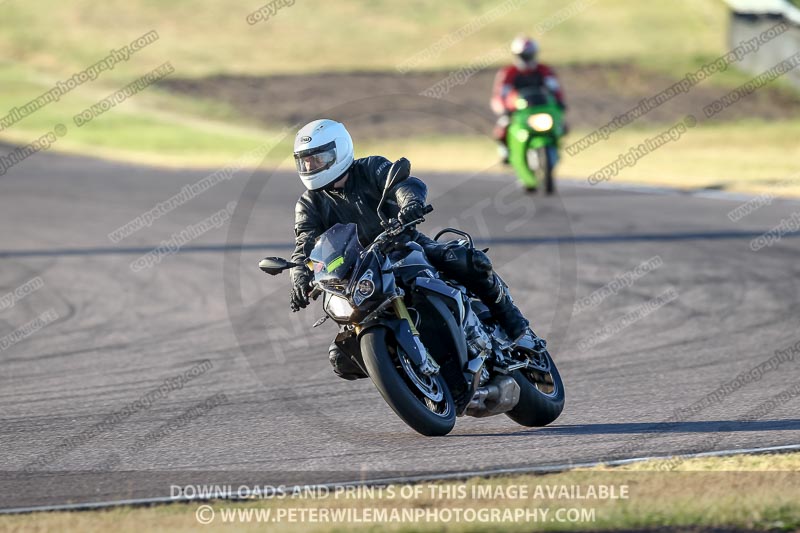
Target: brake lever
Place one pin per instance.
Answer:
(394, 227)
(395, 223)
(428, 209)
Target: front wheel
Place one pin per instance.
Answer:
(423, 402)
(541, 162)
(548, 163)
(541, 395)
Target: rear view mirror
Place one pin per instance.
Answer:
(399, 171)
(275, 265)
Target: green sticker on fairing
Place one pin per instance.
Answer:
(336, 263)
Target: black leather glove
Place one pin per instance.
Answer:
(301, 284)
(411, 212)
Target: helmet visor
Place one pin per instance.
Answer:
(527, 55)
(315, 160)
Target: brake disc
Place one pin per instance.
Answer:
(427, 385)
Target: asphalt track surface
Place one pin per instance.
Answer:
(267, 409)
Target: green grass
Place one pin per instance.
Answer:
(152, 126)
(203, 37)
(755, 492)
(745, 156)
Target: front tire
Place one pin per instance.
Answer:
(423, 415)
(547, 170)
(541, 396)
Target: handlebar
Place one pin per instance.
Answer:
(395, 228)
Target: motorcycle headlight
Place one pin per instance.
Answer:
(338, 307)
(540, 121)
(364, 288)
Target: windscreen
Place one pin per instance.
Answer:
(336, 252)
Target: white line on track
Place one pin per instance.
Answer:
(549, 469)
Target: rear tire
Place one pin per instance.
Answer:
(538, 405)
(400, 392)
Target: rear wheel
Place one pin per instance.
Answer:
(423, 402)
(541, 395)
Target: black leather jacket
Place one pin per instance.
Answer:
(317, 211)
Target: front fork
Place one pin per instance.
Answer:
(429, 366)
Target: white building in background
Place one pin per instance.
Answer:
(751, 17)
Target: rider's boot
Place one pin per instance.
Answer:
(502, 152)
(500, 134)
(495, 295)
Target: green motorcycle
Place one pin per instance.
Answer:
(534, 132)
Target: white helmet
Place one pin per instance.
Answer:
(323, 152)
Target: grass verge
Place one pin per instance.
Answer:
(151, 127)
(204, 37)
(753, 492)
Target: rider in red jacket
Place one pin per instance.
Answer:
(526, 72)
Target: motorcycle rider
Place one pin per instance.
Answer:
(525, 73)
(341, 189)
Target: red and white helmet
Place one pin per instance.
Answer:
(525, 49)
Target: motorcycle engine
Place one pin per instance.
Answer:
(479, 343)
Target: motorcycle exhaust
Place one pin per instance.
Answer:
(501, 394)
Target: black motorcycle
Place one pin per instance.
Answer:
(432, 349)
